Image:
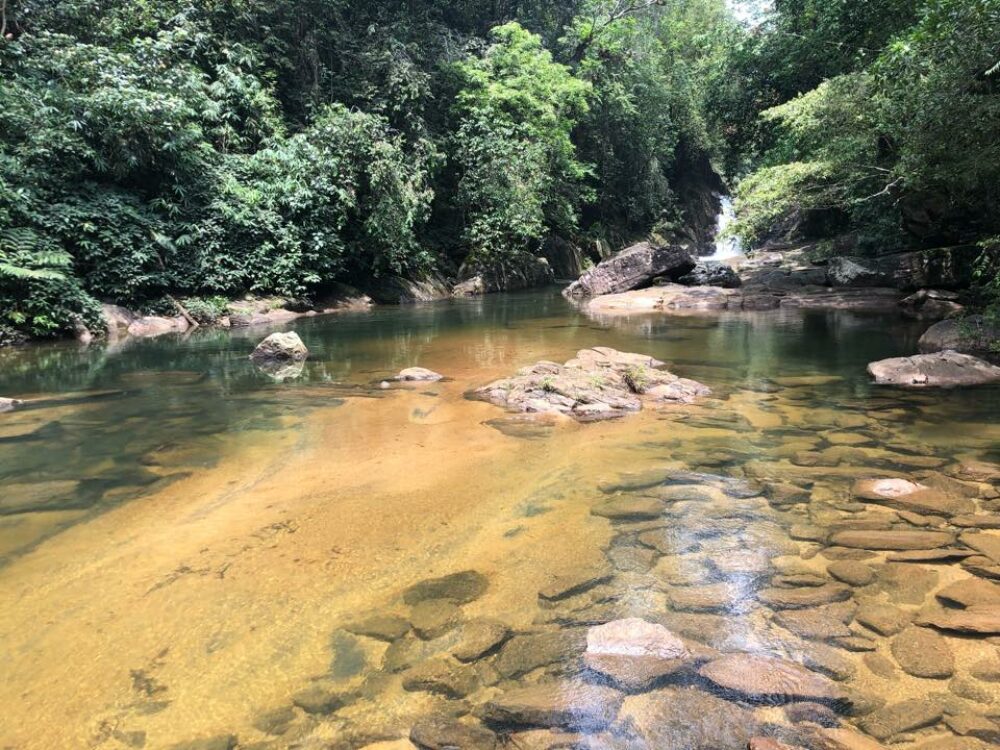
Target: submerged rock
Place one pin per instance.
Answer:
(632, 268)
(280, 347)
(923, 653)
(975, 620)
(769, 678)
(893, 539)
(568, 704)
(905, 716)
(462, 588)
(685, 717)
(947, 369)
(634, 654)
(910, 496)
(599, 383)
(443, 733)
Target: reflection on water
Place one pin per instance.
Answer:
(192, 550)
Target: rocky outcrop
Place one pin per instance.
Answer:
(599, 383)
(973, 334)
(632, 268)
(712, 274)
(395, 290)
(476, 283)
(940, 268)
(280, 347)
(566, 259)
(932, 304)
(947, 369)
(121, 322)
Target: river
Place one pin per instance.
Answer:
(189, 549)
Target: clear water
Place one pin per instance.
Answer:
(185, 543)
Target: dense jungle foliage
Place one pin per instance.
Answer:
(208, 149)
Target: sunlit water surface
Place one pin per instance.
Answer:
(186, 544)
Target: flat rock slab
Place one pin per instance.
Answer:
(984, 543)
(843, 738)
(576, 582)
(884, 619)
(923, 653)
(768, 678)
(947, 369)
(634, 653)
(902, 717)
(567, 704)
(801, 598)
(673, 718)
(851, 572)
(479, 638)
(525, 653)
(815, 624)
(627, 509)
(892, 540)
(970, 592)
(905, 495)
(443, 733)
(462, 588)
(977, 620)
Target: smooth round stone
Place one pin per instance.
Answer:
(923, 653)
(851, 572)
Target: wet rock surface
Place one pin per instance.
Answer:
(632, 268)
(280, 347)
(946, 369)
(598, 384)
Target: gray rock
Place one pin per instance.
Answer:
(711, 274)
(280, 346)
(946, 369)
(632, 268)
(972, 334)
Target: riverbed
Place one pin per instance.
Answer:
(191, 550)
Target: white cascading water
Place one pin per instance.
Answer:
(725, 247)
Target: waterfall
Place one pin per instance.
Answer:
(725, 247)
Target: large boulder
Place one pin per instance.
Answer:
(947, 369)
(477, 282)
(395, 290)
(711, 273)
(632, 268)
(940, 268)
(931, 304)
(280, 347)
(973, 334)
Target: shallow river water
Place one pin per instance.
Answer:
(194, 555)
